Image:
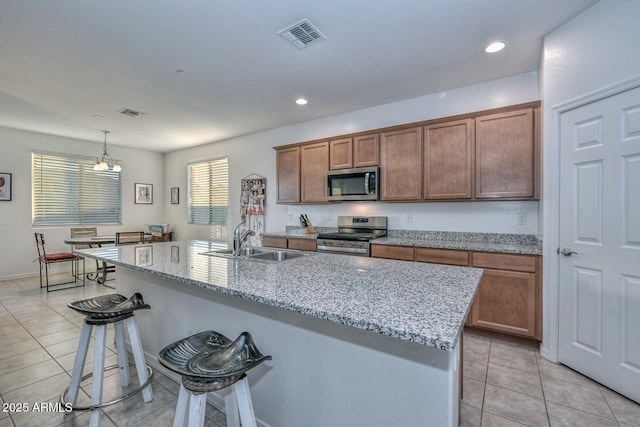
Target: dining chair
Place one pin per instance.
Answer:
(129, 237)
(91, 232)
(45, 260)
(84, 232)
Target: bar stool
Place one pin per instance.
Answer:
(209, 361)
(101, 311)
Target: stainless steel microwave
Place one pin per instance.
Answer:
(353, 184)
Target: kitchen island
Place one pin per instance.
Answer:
(355, 341)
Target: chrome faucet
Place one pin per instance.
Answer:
(239, 238)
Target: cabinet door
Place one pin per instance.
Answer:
(341, 154)
(506, 302)
(288, 175)
(314, 165)
(448, 154)
(366, 149)
(505, 155)
(401, 165)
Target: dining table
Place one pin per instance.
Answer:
(100, 275)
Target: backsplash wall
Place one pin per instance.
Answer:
(483, 217)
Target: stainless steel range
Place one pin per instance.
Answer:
(353, 236)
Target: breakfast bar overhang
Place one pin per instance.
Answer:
(355, 341)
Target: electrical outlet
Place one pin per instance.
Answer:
(290, 215)
(330, 216)
(409, 218)
(522, 218)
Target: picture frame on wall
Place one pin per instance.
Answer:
(5, 187)
(175, 195)
(144, 194)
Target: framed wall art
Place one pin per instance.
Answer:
(5, 187)
(175, 195)
(144, 194)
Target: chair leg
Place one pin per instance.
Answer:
(138, 357)
(231, 408)
(197, 407)
(78, 365)
(181, 408)
(245, 406)
(98, 373)
(121, 351)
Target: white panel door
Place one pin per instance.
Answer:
(599, 296)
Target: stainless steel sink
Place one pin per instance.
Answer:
(277, 255)
(257, 254)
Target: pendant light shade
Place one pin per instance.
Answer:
(106, 161)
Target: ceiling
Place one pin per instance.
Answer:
(64, 62)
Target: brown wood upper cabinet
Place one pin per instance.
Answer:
(401, 165)
(314, 165)
(506, 155)
(448, 155)
(356, 152)
(288, 174)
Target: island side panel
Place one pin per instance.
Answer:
(322, 373)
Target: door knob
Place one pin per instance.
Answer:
(567, 252)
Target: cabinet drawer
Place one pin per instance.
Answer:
(392, 252)
(504, 262)
(302, 244)
(274, 242)
(442, 256)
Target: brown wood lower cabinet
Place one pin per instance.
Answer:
(392, 252)
(284, 243)
(509, 298)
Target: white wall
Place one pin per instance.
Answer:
(255, 154)
(18, 249)
(587, 56)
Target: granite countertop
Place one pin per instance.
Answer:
(522, 244)
(419, 302)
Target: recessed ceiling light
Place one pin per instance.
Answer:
(495, 47)
(97, 116)
(181, 72)
(301, 101)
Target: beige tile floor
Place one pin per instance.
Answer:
(505, 383)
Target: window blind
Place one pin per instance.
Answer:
(67, 191)
(208, 198)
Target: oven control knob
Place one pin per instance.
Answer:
(341, 244)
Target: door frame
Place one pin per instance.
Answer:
(550, 345)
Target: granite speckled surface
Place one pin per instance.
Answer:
(524, 244)
(423, 303)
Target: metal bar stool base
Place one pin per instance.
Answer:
(63, 396)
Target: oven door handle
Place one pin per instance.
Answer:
(366, 183)
(334, 250)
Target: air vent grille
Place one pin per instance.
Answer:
(131, 113)
(302, 34)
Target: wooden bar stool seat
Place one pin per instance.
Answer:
(208, 362)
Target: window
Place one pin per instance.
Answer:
(208, 198)
(67, 191)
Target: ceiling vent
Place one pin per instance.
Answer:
(131, 113)
(302, 34)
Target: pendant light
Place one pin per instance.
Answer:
(102, 164)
